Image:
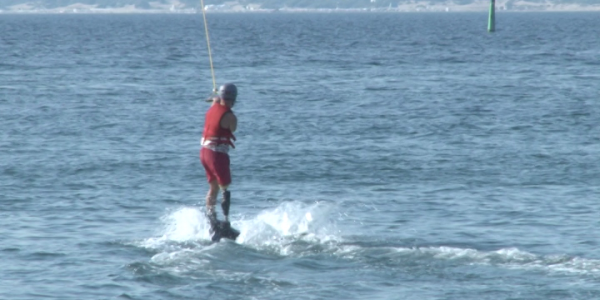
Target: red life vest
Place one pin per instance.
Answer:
(212, 126)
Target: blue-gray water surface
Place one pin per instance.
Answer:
(379, 156)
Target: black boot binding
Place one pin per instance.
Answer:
(225, 228)
(214, 231)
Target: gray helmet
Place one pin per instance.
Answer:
(228, 91)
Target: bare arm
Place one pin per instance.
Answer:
(229, 121)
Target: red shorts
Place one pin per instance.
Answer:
(216, 165)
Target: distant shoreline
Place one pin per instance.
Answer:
(416, 7)
(298, 11)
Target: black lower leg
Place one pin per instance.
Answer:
(226, 202)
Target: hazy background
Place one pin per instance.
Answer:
(276, 4)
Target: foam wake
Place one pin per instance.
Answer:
(446, 257)
(297, 229)
(274, 229)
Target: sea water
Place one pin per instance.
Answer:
(379, 156)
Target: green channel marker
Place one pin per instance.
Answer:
(492, 19)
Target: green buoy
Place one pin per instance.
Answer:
(492, 19)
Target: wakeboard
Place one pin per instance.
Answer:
(223, 229)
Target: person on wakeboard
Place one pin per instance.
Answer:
(217, 138)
